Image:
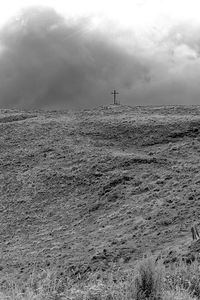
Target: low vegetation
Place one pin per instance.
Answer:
(149, 280)
(91, 193)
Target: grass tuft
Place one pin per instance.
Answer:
(148, 281)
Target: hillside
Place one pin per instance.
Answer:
(89, 189)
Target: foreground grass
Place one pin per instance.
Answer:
(149, 280)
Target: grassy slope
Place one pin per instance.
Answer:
(86, 189)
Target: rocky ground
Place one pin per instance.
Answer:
(87, 190)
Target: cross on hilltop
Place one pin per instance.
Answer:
(115, 93)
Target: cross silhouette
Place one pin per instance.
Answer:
(115, 93)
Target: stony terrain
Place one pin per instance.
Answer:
(87, 190)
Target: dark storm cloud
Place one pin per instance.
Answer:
(47, 61)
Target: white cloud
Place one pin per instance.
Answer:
(185, 52)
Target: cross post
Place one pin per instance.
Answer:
(115, 93)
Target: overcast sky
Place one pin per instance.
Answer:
(72, 54)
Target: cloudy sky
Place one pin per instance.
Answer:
(72, 54)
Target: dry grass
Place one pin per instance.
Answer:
(184, 278)
(110, 178)
(177, 295)
(148, 281)
(68, 175)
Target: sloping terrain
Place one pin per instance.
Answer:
(93, 188)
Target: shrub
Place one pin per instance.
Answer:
(148, 281)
